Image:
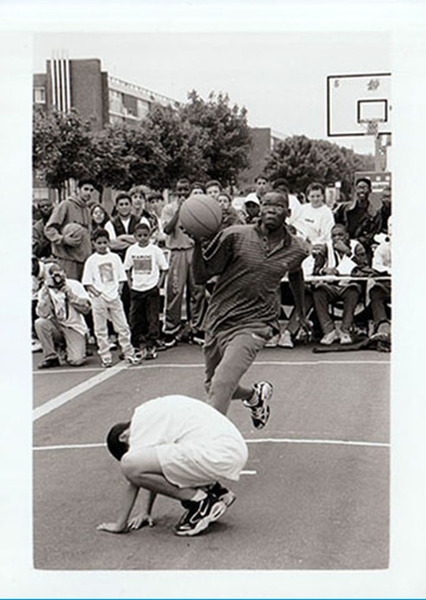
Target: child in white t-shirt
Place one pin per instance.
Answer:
(103, 277)
(146, 266)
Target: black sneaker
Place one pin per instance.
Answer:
(160, 346)
(260, 411)
(199, 515)
(151, 353)
(198, 338)
(49, 363)
(169, 340)
(221, 493)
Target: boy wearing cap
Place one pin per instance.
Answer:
(178, 447)
(146, 267)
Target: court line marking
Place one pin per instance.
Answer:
(201, 365)
(252, 441)
(104, 375)
(82, 387)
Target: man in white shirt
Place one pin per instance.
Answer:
(178, 447)
(60, 308)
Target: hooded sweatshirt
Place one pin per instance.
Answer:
(71, 210)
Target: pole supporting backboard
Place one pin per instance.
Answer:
(356, 99)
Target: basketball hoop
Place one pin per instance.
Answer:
(372, 127)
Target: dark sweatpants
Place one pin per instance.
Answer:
(144, 317)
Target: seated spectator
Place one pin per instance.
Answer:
(61, 305)
(340, 257)
(361, 221)
(100, 217)
(146, 268)
(379, 292)
(293, 331)
(386, 209)
(41, 245)
(230, 215)
(103, 277)
(315, 219)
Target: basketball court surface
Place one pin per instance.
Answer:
(314, 493)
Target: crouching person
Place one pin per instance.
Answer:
(178, 447)
(61, 305)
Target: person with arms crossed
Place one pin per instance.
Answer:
(243, 311)
(178, 447)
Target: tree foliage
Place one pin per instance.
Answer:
(62, 147)
(223, 135)
(302, 161)
(199, 140)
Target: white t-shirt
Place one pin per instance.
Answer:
(104, 272)
(314, 224)
(294, 206)
(193, 439)
(66, 314)
(145, 263)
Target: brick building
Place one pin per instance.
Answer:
(102, 99)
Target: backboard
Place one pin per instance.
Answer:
(355, 100)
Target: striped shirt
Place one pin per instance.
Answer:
(249, 276)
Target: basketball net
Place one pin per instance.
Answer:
(373, 127)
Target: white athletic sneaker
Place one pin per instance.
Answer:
(273, 342)
(345, 338)
(285, 340)
(260, 411)
(329, 338)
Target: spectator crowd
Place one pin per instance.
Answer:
(126, 278)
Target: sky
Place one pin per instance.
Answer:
(279, 77)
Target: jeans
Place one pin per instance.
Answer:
(145, 316)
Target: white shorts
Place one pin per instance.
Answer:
(194, 464)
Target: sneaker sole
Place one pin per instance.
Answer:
(202, 525)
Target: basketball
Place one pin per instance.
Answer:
(73, 234)
(201, 216)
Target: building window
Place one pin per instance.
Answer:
(115, 101)
(39, 95)
(142, 108)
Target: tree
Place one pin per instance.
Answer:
(223, 135)
(199, 140)
(178, 146)
(124, 156)
(302, 161)
(62, 147)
